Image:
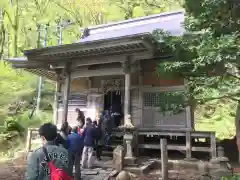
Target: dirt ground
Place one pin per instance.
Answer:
(13, 170)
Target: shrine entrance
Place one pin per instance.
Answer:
(112, 98)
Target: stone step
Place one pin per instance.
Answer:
(107, 153)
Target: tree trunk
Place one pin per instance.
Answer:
(237, 125)
(14, 43)
(2, 35)
(15, 27)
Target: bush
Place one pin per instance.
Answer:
(12, 124)
(21, 122)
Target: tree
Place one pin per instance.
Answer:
(12, 10)
(2, 32)
(208, 54)
(137, 8)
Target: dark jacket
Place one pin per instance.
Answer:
(81, 117)
(75, 143)
(98, 132)
(61, 141)
(89, 135)
(38, 168)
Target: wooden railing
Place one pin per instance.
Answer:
(31, 133)
(148, 132)
(188, 146)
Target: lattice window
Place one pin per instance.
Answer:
(158, 99)
(150, 99)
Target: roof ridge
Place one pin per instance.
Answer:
(134, 20)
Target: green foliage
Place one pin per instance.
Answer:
(217, 115)
(138, 8)
(13, 125)
(170, 102)
(208, 54)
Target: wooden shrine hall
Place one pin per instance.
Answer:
(115, 63)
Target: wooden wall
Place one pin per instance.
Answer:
(141, 116)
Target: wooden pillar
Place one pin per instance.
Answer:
(127, 71)
(189, 118)
(213, 146)
(66, 92)
(237, 125)
(188, 145)
(29, 140)
(56, 99)
(164, 159)
(127, 96)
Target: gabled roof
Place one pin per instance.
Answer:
(171, 22)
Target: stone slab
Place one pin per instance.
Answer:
(118, 158)
(89, 172)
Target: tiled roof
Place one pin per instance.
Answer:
(171, 22)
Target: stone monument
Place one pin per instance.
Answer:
(220, 166)
(118, 158)
(129, 130)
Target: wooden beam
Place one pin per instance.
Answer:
(34, 65)
(84, 72)
(103, 60)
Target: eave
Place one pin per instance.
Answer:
(45, 61)
(82, 50)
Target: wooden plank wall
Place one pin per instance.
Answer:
(134, 107)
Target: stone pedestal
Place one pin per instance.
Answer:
(220, 168)
(129, 159)
(220, 151)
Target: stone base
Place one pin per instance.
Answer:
(217, 160)
(130, 161)
(190, 159)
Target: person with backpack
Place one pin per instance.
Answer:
(75, 148)
(49, 162)
(62, 137)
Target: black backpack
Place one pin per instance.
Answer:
(60, 141)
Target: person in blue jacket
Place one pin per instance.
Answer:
(75, 148)
(89, 135)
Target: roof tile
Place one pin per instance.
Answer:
(171, 22)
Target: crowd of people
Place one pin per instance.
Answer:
(71, 147)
